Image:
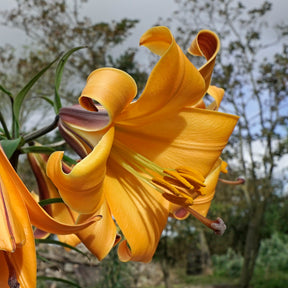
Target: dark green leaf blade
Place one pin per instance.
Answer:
(23, 93)
(58, 77)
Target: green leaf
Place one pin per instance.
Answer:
(58, 280)
(5, 129)
(59, 243)
(49, 101)
(47, 150)
(58, 77)
(10, 146)
(69, 160)
(6, 91)
(23, 93)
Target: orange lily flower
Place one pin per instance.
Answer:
(18, 210)
(144, 159)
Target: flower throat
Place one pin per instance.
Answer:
(179, 186)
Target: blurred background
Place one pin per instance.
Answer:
(252, 67)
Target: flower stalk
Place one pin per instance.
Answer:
(38, 133)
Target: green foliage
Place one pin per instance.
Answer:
(228, 264)
(55, 26)
(273, 254)
(115, 274)
(272, 258)
(276, 280)
(58, 77)
(64, 282)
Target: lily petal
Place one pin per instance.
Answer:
(38, 216)
(4, 275)
(202, 203)
(88, 175)
(100, 87)
(83, 129)
(173, 83)
(19, 267)
(195, 138)
(140, 212)
(11, 225)
(99, 237)
(24, 262)
(206, 44)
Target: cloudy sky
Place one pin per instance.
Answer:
(148, 12)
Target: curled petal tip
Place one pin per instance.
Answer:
(219, 226)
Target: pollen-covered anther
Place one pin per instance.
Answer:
(194, 177)
(172, 193)
(182, 181)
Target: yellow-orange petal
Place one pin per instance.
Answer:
(203, 202)
(194, 138)
(24, 262)
(81, 189)
(139, 210)
(37, 215)
(112, 88)
(100, 237)
(217, 93)
(4, 275)
(173, 83)
(206, 44)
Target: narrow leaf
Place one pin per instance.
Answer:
(23, 93)
(5, 129)
(59, 243)
(58, 77)
(47, 150)
(58, 280)
(49, 101)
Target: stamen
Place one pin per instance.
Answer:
(217, 225)
(167, 185)
(179, 177)
(183, 201)
(199, 178)
(180, 186)
(239, 181)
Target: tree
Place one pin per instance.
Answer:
(256, 90)
(53, 27)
